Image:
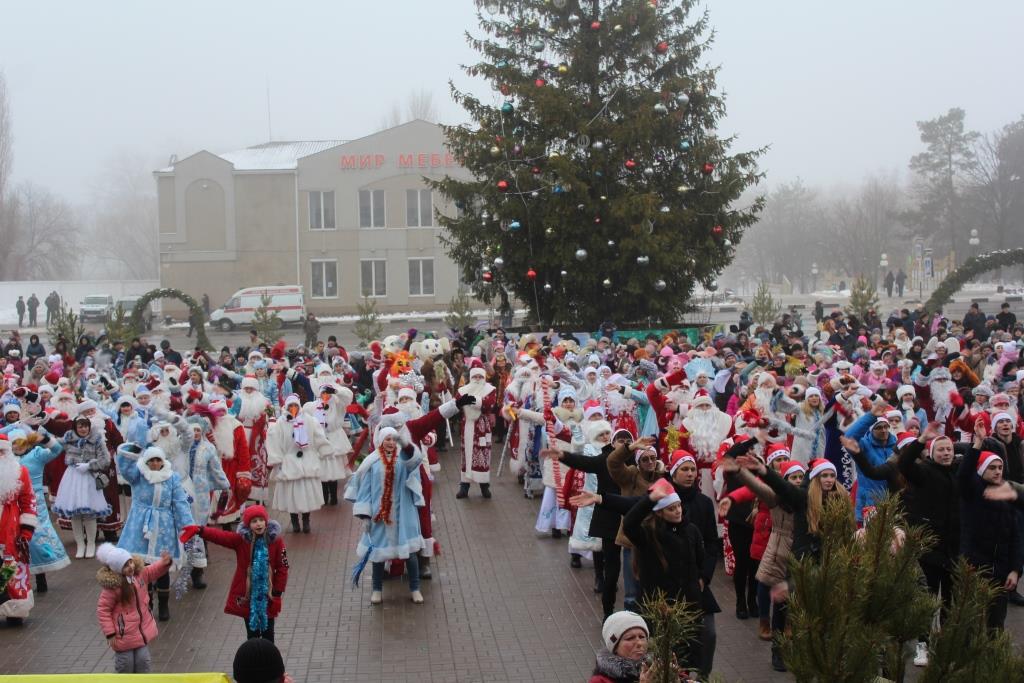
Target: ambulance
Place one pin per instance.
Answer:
(286, 300)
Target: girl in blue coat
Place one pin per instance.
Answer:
(385, 492)
(34, 451)
(160, 510)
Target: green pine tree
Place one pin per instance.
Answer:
(120, 327)
(601, 187)
(673, 627)
(764, 309)
(460, 313)
(267, 323)
(368, 326)
(65, 325)
(863, 297)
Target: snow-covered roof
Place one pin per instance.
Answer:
(272, 156)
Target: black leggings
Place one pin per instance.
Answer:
(266, 635)
(612, 568)
(741, 536)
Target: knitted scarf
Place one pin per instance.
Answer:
(259, 585)
(384, 514)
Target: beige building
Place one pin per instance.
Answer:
(342, 219)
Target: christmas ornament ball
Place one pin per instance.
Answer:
(537, 45)
(630, 164)
(665, 209)
(540, 82)
(514, 225)
(563, 273)
(717, 230)
(499, 262)
(495, 150)
(507, 108)
(534, 194)
(649, 172)
(642, 260)
(727, 242)
(487, 277)
(611, 243)
(598, 145)
(682, 99)
(662, 47)
(708, 168)
(595, 26)
(660, 108)
(531, 274)
(606, 283)
(660, 285)
(503, 185)
(548, 287)
(563, 69)
(713, 286)
(581, 254)
(684, 145)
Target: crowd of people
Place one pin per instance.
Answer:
(651, 458)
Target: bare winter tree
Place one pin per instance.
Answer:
(124, 220)
(861, 228)
(43, 239)
(419, 106)
(6, 161)
(995, 193)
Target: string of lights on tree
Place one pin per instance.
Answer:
(599, 180)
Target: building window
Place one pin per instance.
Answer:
(324, 276)
(371, 208)
(421, 277)
(419, 208)
(321, 211)
(374, 277)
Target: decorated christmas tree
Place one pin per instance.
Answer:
(601, 188)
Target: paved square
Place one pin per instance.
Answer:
(503, 605)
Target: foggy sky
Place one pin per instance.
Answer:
(835, 88)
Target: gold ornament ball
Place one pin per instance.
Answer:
(563, 69)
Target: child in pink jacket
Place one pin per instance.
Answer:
(123, 607)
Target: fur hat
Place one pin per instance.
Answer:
(112, 556)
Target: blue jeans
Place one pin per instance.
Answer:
(631, 589)
(412, 568)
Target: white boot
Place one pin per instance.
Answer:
(921, 655)
(376, 597)
(90, 537)
(416, 597)
(78, 531)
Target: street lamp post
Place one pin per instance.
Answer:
(814, 277)
(883, 263)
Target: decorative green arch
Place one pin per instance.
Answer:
(195, 310)
(972, 267)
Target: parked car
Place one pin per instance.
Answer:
(286, 300)
(127, 304)
(96, 307)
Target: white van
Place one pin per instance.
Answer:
(287, 300)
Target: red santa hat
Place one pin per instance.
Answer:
(776, 451)
(677, 460)
(218, 407)
(592, 408)
(277, 351)
(702, 398)
(904, 438)
(985, 459)
(792, 467)
(52, 377)
(1001, 416)
(820, 465)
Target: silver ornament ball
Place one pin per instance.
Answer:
(660, 285)
(607, 283)
(581, 254)
(499, 262)
(642, 260)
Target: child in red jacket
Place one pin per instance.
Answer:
(123, 608)
(261, 568)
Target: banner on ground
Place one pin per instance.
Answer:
(127, 678)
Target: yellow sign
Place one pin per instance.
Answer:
(127, 678)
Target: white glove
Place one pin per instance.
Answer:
(82, 467)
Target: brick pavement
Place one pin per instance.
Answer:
(503, 606)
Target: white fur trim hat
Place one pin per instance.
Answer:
(821, 465)
(385, 432)
(112, 556)
(292, 399)
(1001, 416)
(905, 390)
(616, 625)
(812, 391)
(250, 382)
(591, 410)
(406, 392)
(986, 459)
(666, 501)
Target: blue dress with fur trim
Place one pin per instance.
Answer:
(160, 509)
(46, 551)
(402, 537)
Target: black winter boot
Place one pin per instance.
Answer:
(485, 490)
(326, 486)
(334, 493)
(463, 491)
(295, 523)
(41, 586)
(575, 561)
(197, 579)
(163, 595)
(305, 523)
(598, 572)
(425, 572)
(777, 662)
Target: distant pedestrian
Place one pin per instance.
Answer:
(123, 608)
(206, 304)
(311, 326)
(20, 306)
(890, 280)
(51, 306)
(819, 312)
(33, 306)
(901, 279)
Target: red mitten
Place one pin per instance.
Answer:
(188, 532)
(243, 486)
(956, 399)
(194, 395)
(865, 404)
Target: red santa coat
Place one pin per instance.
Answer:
(477, 425)
(237, 464)
(18, 520)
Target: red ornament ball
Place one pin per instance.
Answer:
(505, 90)
(531, 274)
(630, 164)
(597, 220)
(717, 230)
(708, 169)
(662, 47)
(595, 25)
(487, 276)
(535, 170)
(540, 82)
(503, 185)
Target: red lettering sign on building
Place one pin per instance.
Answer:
(364, 162)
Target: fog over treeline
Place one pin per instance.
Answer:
(884, 121)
